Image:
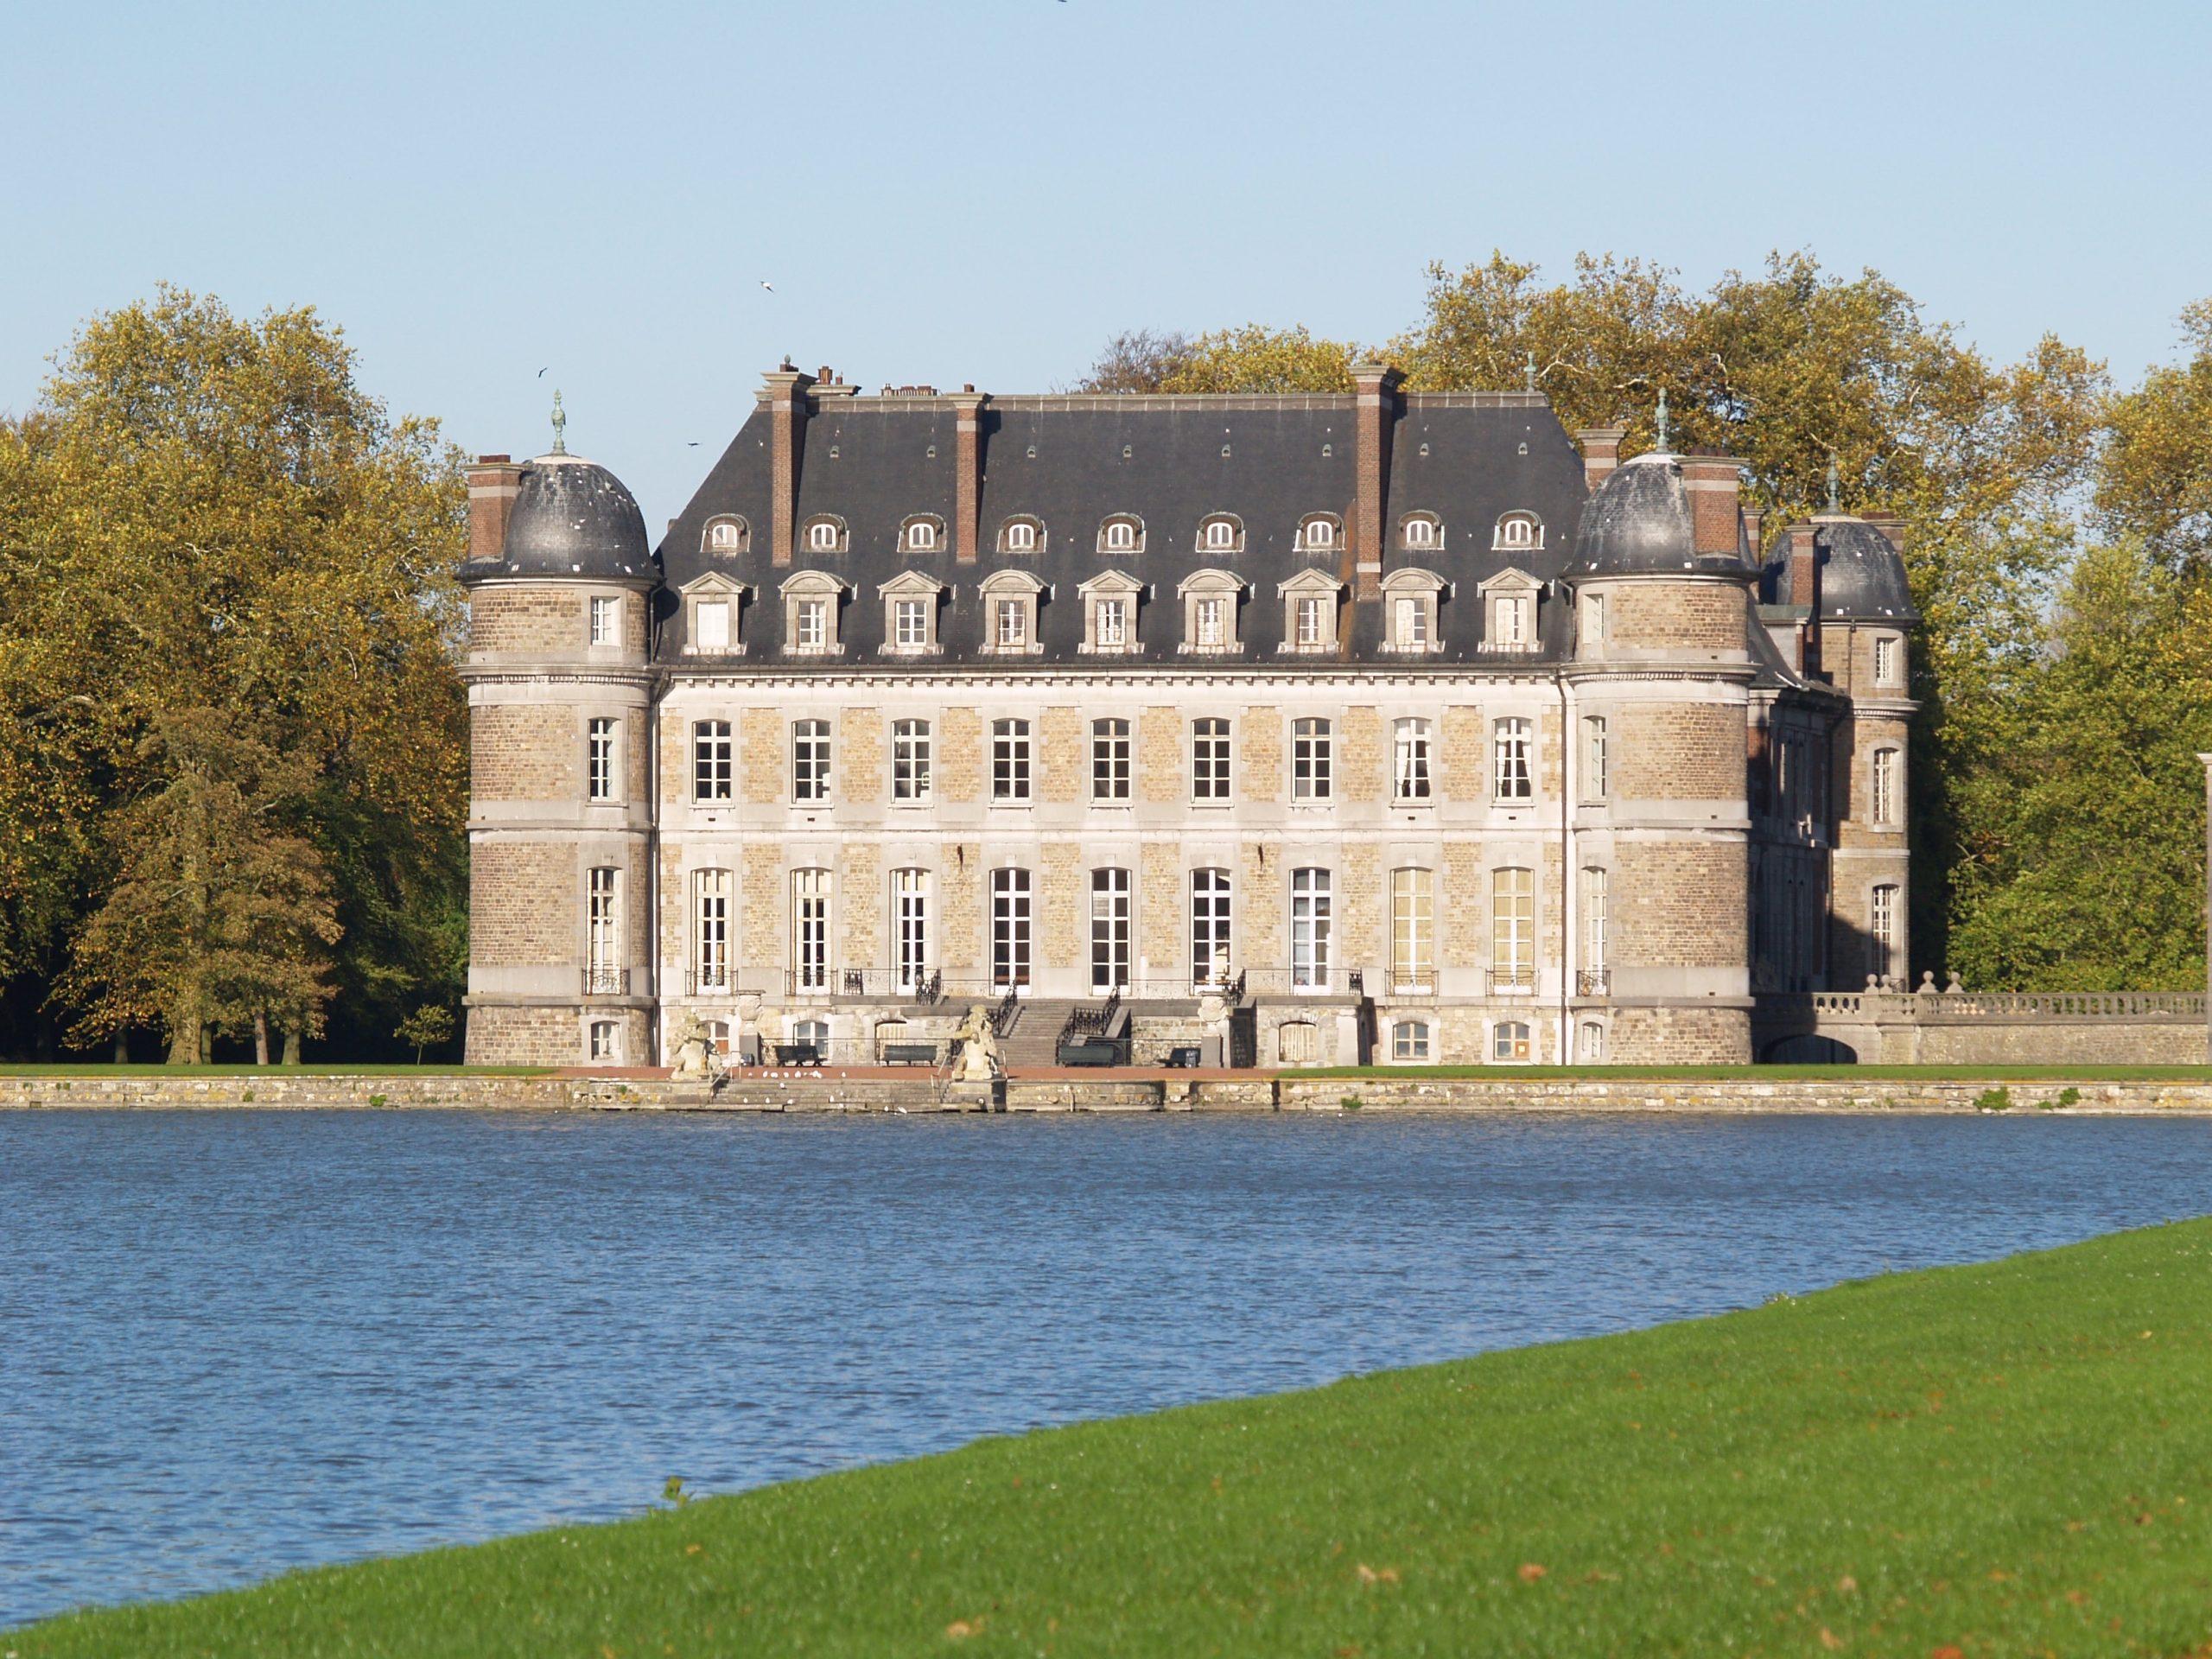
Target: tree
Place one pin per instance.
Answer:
(1137, 360)
(429, 1027)
(207, 513)
(1262, 359)
(2155, 480)
(220, 909)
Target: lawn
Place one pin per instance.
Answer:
(2013, 1459)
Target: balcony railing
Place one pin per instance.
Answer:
(877, 983)
(607, 981)
(709, 982)
(1513, 982)
(1593, 981)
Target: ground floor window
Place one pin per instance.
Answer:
(1109, 930)
(605, 1039)
(1209, 941)
(814, 1033)
(1298, 1042)
(1509, 1041)
(1410, 1041)
(1591, 1050)
(718, 1036)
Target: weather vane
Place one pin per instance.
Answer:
(1664, 443)
(560, 427)
(1835, 485)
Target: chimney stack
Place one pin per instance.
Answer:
(784, 390)
(493, 483)
(968, 474)
(1601, 453)
(1374, 421)
(1805, 590)
(1714, 485)
(1891, 526)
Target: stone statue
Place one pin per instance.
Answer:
(697, 1059)
(977, 1045)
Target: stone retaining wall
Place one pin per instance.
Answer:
(863, 1091)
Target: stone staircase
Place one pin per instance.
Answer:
(1035, 1037)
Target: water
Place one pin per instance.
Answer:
(232, 1343)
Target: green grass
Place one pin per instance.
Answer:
(2090, 1073)
(73, 1069)
(2006, 1459)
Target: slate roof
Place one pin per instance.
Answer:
(1072, 461)
(1862, 573)
(571, 517)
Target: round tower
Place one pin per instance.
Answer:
(560, 581)
(1659, 825)
(1865, 619)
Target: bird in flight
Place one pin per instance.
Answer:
(769, 286)
(541, 374)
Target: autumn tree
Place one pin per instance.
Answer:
(205, 512)
(2156, 477)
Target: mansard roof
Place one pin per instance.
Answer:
(873, 462)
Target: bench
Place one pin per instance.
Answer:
(1090, 1050)
(798, 1054)
(910, 1054)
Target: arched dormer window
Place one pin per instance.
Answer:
(1410, 601)
(1022, 535)
(1518, 533)
(1122, 533)
(1109, 613)
(1010, 600)
(1320, 533)
(1310, 600)
(1221, 533)
(911, 601)
(812, 603)
(1210, 599)
(726, 534)
(923, 533)
(825, 533)
(1421, 532)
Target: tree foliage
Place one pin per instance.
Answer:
(206, 513)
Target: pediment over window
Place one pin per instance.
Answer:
(1512, 579)
(1010, 582)
(1111, 581)
(1211, 581)
(1413, 580)
(1309, 581)
(713, 585)
(813, 584)
(913, 584)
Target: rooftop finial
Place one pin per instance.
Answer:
(1528, 371)
(1666, 445)
(560, 427)
(1835, 485)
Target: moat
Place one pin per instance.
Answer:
(233, 1344)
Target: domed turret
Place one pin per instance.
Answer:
(1640, 522)
(571, 518)
(1862, 575)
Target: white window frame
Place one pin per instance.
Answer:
(1110, 587)
(1412, 1042)
(1513, 759)
(1317, 594)
(1518, 531)
(712, 540)
(601, 733)
(1312, 756)
(1213, 929)
(1112, 932)
(923, 533)
(912, 944)
(1320, 533)
(1121, 533)
(825, 533)
(711, 892)
(1594, 621)
(1222, 590)
(1213, 756)
(1112, 746)
(1420, 531)
(1313, 927)
(1886, 787)
(1597, 758)
(1512, 613)
(1889, 656)
(1412, 931)
(1412, 761)
(1221, 533)
(906, 589)
(698, 598)
(1022, 534)
(603, 1042)
(811, 756)
(714, 761)
(1011, 756)
(1513, 929)
(606, 624)
(909, 762)
(1513, 1042)
(811, 889)
(1013, 929)
(1412, 601)
(1019, 593)
(803, 592)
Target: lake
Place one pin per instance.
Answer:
(236, 1343)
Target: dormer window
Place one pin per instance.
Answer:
(924, 533)
(726, 534)
(811, 601)
(1310, 600)
(1320, 533)
(1123, 533)
(1221, 533)
(1518, 533)
(1010, 600)
(1509, 607)
(825, 533)
(1110, 614)
(910, 603)
(1410, 606)
(1021, 536)
(1421, 532)
(711, 606)
(1210, 600)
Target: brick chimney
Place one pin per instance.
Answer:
(1375, 420)
(784, 391)
(493, 483)
(1890, 526)
(1805, 589)
(968, 473)
(1715, 487)
(1601, 453)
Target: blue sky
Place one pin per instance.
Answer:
(983, 191)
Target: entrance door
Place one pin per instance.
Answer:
(1109, 931)
(1010, 932)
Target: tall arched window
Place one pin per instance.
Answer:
(1882, 930)
(1413, 933)
(1513, 929)
(810, 930)
(1511, 777)
(1883, 803)
(1211, 942)
(710, 931)
(1311, 926)
(910, 903)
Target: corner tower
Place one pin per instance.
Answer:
(559, 582)
(1658, 693)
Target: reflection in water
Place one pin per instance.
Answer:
(235, 1344)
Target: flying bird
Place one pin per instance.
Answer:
(541, 374)
(693, 444)
(769, 286)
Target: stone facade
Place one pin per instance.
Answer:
(1417, 826)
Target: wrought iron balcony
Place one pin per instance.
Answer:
(1513, 982)
(1593, 981)
(607, 981)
